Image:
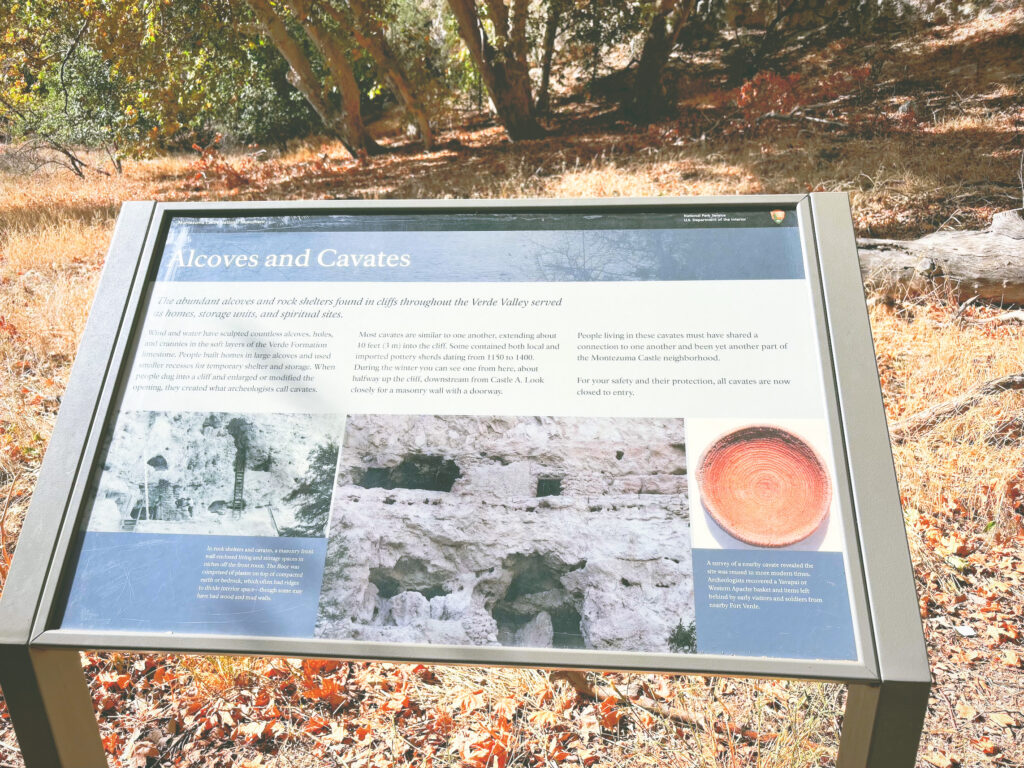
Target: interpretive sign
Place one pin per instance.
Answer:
(627, 435)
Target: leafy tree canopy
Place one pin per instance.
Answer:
(131, 76)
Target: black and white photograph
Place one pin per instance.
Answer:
(523, 531)
(234, 474)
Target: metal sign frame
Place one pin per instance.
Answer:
(40, 670)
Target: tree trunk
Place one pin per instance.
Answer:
(343, 76)
(988, 265)
(648, 102)
(370, 37)
(504, 70)
(304, 77)
(548, 52)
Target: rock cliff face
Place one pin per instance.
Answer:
(525, 531)
(213, 473)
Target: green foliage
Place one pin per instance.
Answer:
(259, 106)
(60, 88)
(133, 76)
(314, 493)
(683, 639)
(426, 37)
(74, 103)
(56, 93)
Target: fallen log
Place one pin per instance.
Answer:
(912, 426)
(988, 264)
(1017, 316)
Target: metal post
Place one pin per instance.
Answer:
(883, 725)
(45, 689)
(50, 707)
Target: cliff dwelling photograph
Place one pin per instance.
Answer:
(517, 531)
(235, 474)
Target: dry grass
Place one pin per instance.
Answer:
(961, 485)
(927, 355)
(904, 184)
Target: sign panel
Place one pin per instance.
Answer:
(602, 431)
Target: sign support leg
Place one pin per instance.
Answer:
(51, 708)
(882, 725)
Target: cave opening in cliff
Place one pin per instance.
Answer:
(158, 462)
(536, 588)
(416, 471)
(548, 485)
(566, 623)
(266, 463)
(410, 574)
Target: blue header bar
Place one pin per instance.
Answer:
(419, 249)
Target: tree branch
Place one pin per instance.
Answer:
(64, 62)
(369, 35)
(341, 72)
(499, 17)
(919, 423)
(520, 14)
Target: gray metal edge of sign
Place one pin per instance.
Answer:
(268, 207)
(236, 645)
(35, 546)
(885, 552)
(841, 461)
(114, 349)
(93, 349)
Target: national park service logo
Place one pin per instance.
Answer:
(778, 216)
